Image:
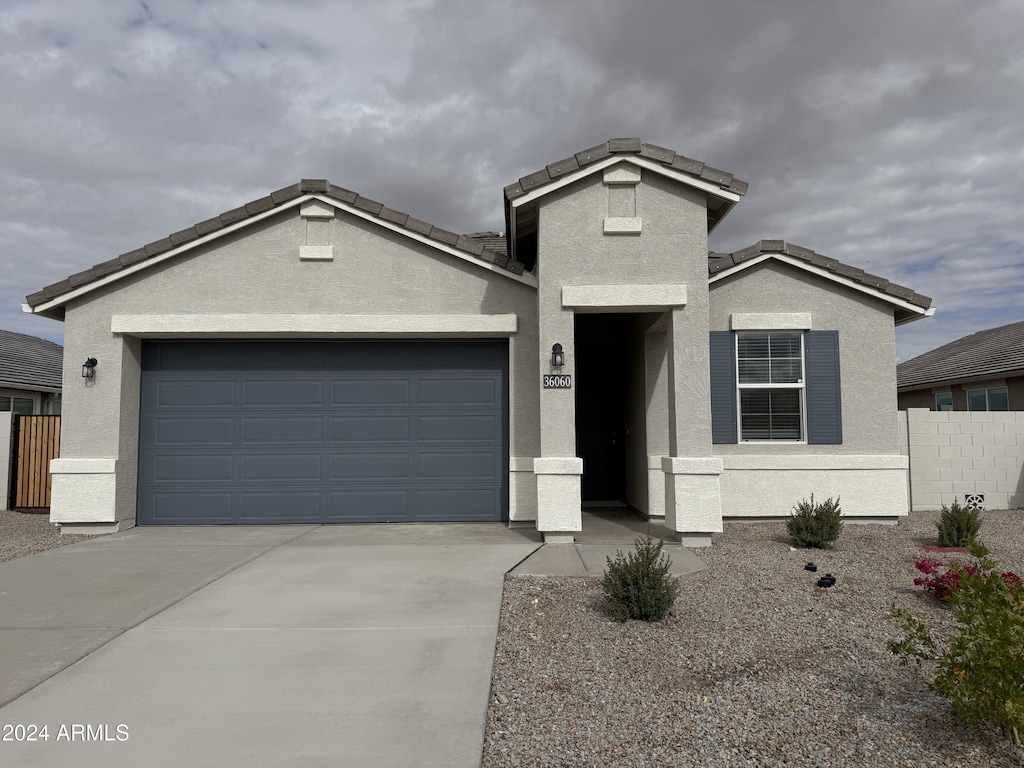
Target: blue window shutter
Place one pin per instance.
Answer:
(723, 387)
(822, 388)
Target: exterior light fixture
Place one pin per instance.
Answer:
(557, 356)
(89, 368)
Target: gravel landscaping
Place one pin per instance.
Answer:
(754, 666)
(23, 533)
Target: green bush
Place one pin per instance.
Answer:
(638, 585)
(815, 525)
(957, 525)
(982, 670)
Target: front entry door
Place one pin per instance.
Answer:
(600, 419)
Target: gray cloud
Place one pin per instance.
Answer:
(887, 135)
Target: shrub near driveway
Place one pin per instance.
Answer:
(755, 666)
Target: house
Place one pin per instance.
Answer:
(315, 356)
(30, 384)
(980, 372)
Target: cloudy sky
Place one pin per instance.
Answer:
(888, 135)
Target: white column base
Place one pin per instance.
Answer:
(693, 496)
(83, 491)
(92, 529)
(559, 502)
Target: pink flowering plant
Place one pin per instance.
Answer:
(981, 670)
(943, 581)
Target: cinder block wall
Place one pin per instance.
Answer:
(954, 453)
(6, 427)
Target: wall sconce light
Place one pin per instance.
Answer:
(89, 368)
(557, 356)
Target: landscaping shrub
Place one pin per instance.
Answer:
(637, 585)
(957, 525)
(981, 671)
(941, 584)
(815, 525)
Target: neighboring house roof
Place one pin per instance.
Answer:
(723, 264)
(990, 353)
(321, 188)
(28, 362)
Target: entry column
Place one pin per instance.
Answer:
(693, 493)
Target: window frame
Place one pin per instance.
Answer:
(988, 402)
(938, 406)
(801, 385)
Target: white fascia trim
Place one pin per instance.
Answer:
(23, 387)
(301, 326)
(822, 462)
(147, 263)
(201, 241)
(814, 270)
(704, 186)
(623, 296)
(529, 280)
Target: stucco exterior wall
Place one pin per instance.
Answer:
(867, 350)
(258, 272)
(670, 248)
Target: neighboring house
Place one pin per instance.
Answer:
(980, 372)
(314, 356)
(30, 374)
(30, 384)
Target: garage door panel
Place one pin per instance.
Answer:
(279, 429)
(367, 506)
(191, 468)
(358, 392)
(369, 429)
(193, 394)
(266, 467)
(192, 508)
(300, 432)
(394, 466)
(451, 504)
(448, 391)
(169, 431)
(292, 392)
(453, 465)
(451, 428)
(280, 507)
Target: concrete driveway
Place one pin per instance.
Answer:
(292, 645)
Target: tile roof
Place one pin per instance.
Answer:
(632, 146)
(985, 353)
(28, 362)
(719, 261)
(469, 245)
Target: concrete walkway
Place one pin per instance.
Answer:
(312, 646)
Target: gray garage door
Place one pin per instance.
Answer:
(323, 432)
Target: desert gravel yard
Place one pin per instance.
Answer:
(24, 533)
(754, 666)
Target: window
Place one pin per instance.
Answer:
(770, 381)
(991, 399)
(22, 406)
(779, 386)
(943, 401)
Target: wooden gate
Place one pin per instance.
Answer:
(36, 440)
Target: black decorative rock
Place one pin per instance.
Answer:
(811, 567)
(825, 583)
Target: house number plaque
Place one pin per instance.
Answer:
(557, 381)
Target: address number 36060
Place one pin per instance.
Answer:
(557, 381)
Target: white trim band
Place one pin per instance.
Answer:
(297, 326)
(770, 321)
(625, 297)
